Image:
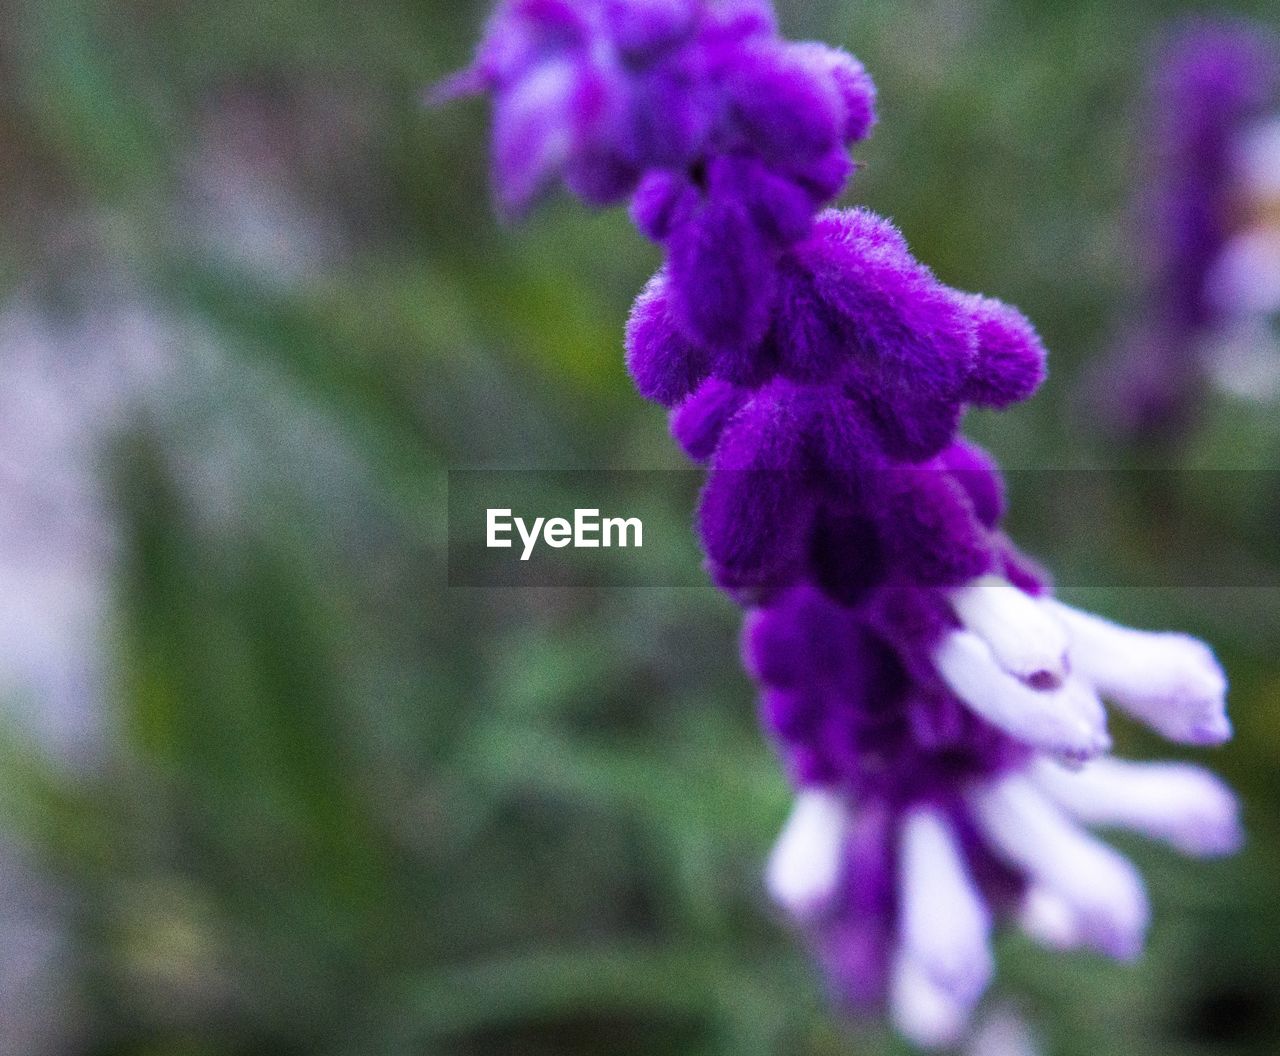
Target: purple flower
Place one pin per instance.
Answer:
(960, 738)
(729, 138)
(1212, 81)
(940, 713)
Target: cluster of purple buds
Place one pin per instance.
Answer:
(1210, 213)
(939, 712)
(727, 138)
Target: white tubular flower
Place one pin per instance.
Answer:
(1170, 682)
(1047, 918)
(804, 868)
(1003, 1033)
(1183, 805)
(1101, 888)
(945, 926)
(924, 1012)
(1025, 638)
(1068, 722)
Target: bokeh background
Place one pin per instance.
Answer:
(267, 785)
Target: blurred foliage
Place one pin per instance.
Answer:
(348, 810)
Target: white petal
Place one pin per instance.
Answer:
(1257, 158)
(1024, 636)
(1184, 805)
(804, 868)
(1171, 682)
(1069, 721)
(1245, 281)
(1049, 920)
(1100, 886)
(1003, 1033)
(923, 1012)
(945, 923)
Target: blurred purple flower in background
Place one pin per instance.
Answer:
(1211, 232)
(69, 384)
(934, 705)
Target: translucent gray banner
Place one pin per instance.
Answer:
(1091, 528)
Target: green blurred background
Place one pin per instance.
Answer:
(267, 785)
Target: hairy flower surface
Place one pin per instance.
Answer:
(941, 715)
(727, 138)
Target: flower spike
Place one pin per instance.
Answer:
(941, 716)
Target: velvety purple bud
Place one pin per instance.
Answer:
(780, 208)
(600, 178)
(931, 528)
(978, 474)
(909, 342)
(738, 19)
(803, 639)
(809, 340)
(913, 616)
(699, 421)
(773, 647)
(755, 508)
(665, 366)
(861, 227)
(525, 33)
(906, 323)
(939, 721)
(828, 641)
(723, 275)
(641, 28)
(743, 556)
(671, 112)
(824, 177)
(852, 82)
(782, 108)
(664, 201)
(843, 451)
(817, 319)
(560, 19)
(846, 557)
(1010, 362)
(808, 767)
(789, 714)
(533, 134)
(908, 426)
